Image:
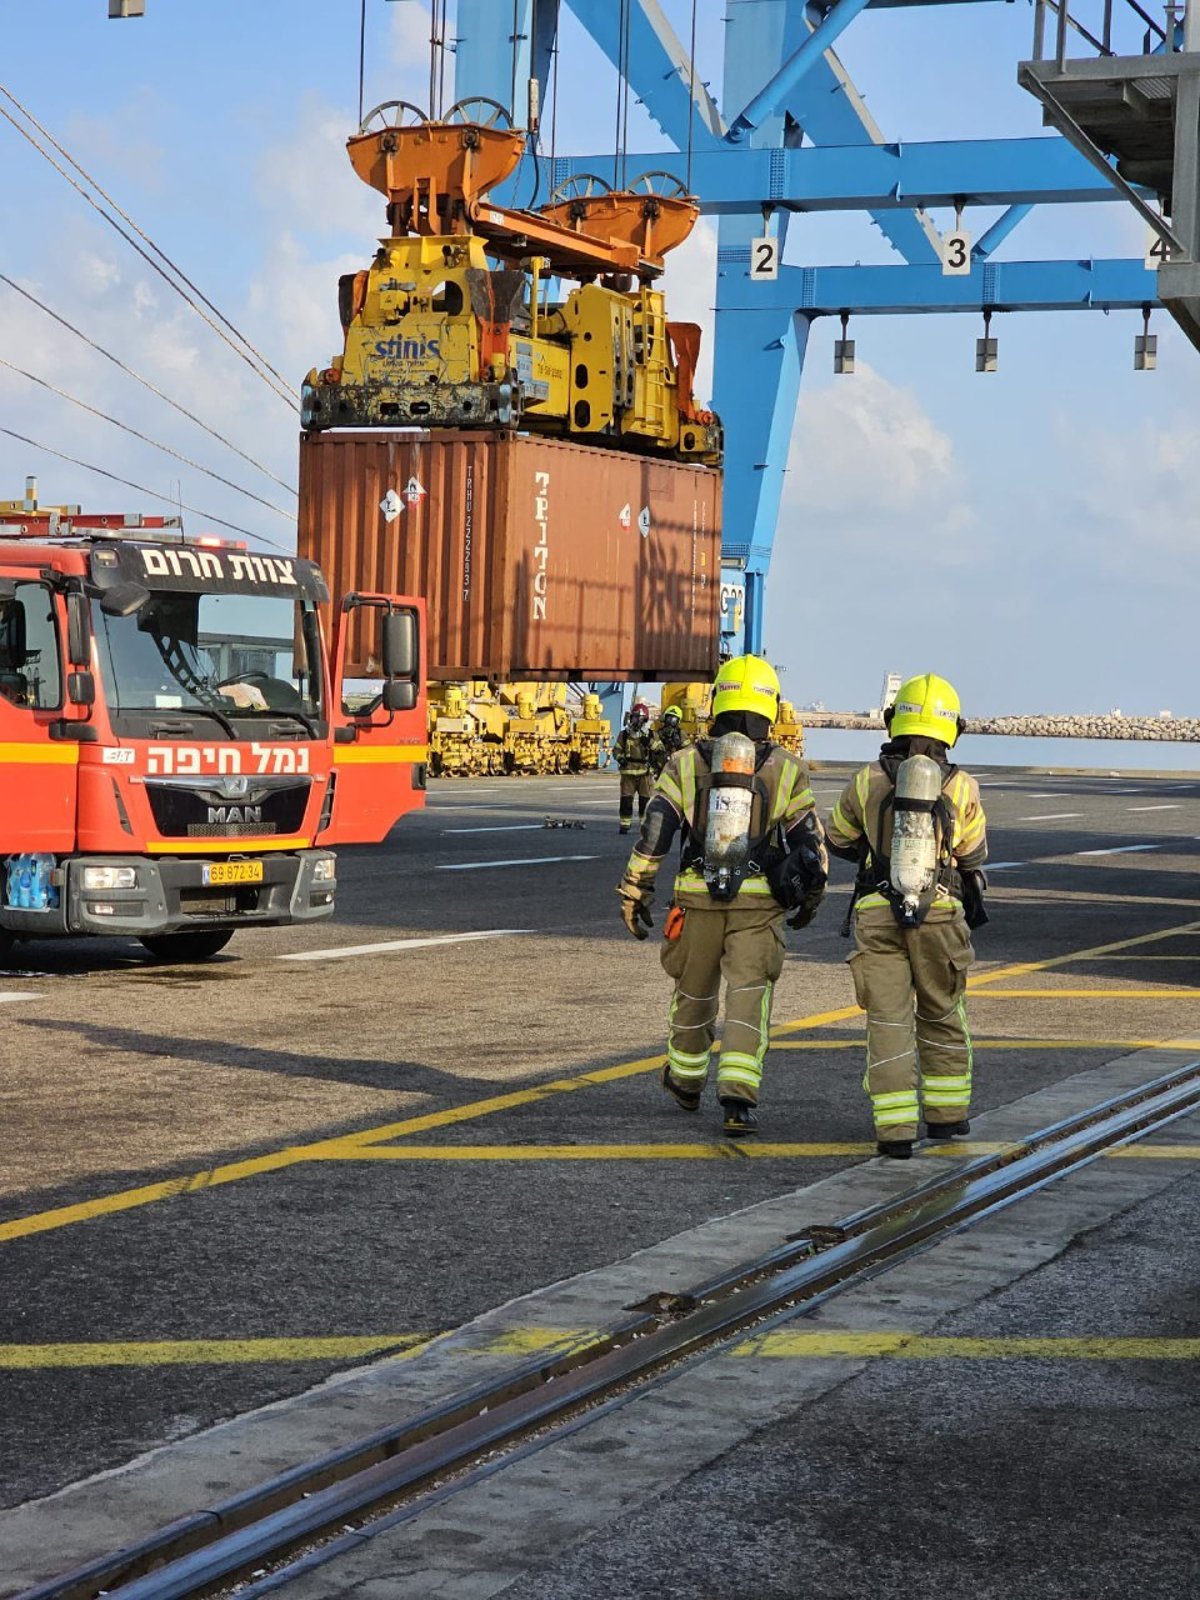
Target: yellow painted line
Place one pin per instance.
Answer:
(1156, 1152)
(777, 1345)
(278, 1160)
(1023, 969)
(1093, 994)
(725, 1151)
(924, 1347)
(856, 1043)
(211, 847)
(39, 755)
(352, 755)
(238, 1352)
(203, 1352)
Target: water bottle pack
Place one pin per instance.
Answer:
(29, 882)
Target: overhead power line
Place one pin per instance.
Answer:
(144, 437)
(240, 345)
(145, 382)
(141, 488)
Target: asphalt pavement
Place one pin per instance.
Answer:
(224, 1183)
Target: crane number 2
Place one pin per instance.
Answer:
(764, 259)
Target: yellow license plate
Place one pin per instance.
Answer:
(219, 872)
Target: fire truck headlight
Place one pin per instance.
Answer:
(323, 869)
(110, 877)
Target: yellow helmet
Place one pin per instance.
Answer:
(747, 683)
(926, 706)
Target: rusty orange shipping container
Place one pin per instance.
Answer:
(537, 558)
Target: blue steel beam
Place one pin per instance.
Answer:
(1106, 285)
(999, 231)
(824, 105)
(659, 68)
(493, 51)
(779, 88)
(984, 172)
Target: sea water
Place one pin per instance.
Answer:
(996, 750)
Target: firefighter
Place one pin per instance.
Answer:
(914, 823)
(752, 850)
(670, 733)
(639, 754)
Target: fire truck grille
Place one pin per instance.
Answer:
(214, 812)
(230, 830)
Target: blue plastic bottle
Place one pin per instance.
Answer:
(25, 884)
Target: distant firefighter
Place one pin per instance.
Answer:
(639, 754)
(915, 825)
(670, 732)
(751, 850)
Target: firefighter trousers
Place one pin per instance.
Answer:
(745, 946)
(640, 784)
(912, 982)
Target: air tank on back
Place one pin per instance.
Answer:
(914, 838)
(730, 804)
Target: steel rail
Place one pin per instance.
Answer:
(193, 1556)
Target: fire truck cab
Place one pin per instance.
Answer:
(148, 791)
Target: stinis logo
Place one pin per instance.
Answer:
(401, 349)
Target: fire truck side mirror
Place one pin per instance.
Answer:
(398, 695)
(400, 653)
(79, 635)
(81, 689)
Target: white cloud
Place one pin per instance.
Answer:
(690, 285)
(866, 456)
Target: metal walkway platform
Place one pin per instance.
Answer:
(1136, 117)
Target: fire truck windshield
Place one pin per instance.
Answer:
(232, 656)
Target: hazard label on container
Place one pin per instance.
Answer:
(625, 515)
(391, 505)
(644, 522)
(414, 491)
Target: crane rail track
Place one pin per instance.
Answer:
(476, 1432)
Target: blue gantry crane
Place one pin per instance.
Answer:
(793, 134)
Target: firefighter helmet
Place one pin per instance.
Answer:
(927, 706)
(639, 714)
(672, 712)
(747, 683)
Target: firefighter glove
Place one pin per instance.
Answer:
(973, 885)
(635, 909)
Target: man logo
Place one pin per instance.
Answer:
(223, 815)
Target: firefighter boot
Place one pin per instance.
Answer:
(948, 1130)
(689, 1099)
(738, 1118)
(898, 1149)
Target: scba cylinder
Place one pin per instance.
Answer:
(730, 805)
(914, 838)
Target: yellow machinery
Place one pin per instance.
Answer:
(479, 729)
(788, 730)
(591, 734)
(436, 336)
(694, 701)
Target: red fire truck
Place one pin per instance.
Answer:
(148, 790)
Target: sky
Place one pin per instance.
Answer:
(1030, 534)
